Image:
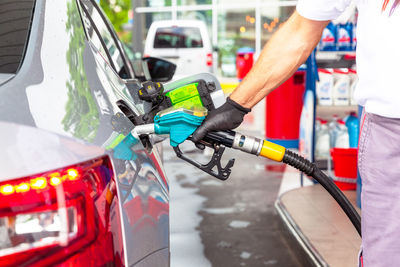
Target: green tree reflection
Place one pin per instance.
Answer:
(116, 11)
(82, 116)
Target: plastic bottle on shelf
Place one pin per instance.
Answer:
(325, 87)
(353, 85)
(344, 37)
(342, 138)
(317, 132)
(333, 128)
(328, 40)
(353, 128)
(341, 88)
(321, 139)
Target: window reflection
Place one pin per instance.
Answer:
(106, 36)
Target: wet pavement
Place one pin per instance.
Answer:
(235, 219)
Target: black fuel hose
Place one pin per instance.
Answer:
(312, 170)
(278, 153)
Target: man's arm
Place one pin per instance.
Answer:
(288, 48)
(281, 57)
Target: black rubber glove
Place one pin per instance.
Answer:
(226, 117)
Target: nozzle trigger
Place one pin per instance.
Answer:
(221, 173)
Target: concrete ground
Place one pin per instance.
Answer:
(231, 223)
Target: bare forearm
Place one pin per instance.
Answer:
(279, 59)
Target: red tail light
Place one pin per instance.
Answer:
(209, 60)
(57, 217)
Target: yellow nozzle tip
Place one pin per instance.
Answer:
(272, 151)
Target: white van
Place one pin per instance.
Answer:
(183, 42)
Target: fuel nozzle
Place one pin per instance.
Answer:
(179, 123)
(247, 144)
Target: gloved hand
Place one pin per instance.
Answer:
(226, 117)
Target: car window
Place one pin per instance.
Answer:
(101, 37)
(178, 37)
(15, 23)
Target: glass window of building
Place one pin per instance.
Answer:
(231, 24)
(203, 15)
(228, 3)
(150, 18)
(272, 18)
(236, 29)
(193, 2)
(156, 3)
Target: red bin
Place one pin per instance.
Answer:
(283, 111)
(244, 61)
(345, 166)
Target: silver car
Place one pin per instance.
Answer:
(75, 189)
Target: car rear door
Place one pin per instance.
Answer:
(142, 185)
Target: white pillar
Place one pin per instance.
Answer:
(174, 10)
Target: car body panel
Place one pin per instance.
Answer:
(156, 259)
(4, 77)
(68, 92)
(27, 150)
